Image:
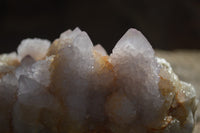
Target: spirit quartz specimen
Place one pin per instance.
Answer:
(72, 86)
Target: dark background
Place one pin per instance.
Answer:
(168, 24)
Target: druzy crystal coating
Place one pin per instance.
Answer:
(71, 86)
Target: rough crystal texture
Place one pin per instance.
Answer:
(36, 48)
(133, 60)
(75, 87)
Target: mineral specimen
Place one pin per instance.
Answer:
(72, 86)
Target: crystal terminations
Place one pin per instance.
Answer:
(72, 86)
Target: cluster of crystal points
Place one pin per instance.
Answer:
(72, 86)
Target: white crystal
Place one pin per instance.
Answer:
(36, 48)
(100, 50)
(73, 86)
(134, 61)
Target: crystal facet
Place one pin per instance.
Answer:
(72, 86)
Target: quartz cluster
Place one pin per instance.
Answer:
(71, 86)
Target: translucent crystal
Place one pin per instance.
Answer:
(72, 86)
(36, 48)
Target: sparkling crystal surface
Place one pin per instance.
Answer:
(72, 86)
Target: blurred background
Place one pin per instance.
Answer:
(168, 24)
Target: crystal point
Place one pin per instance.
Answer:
(73, 86)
